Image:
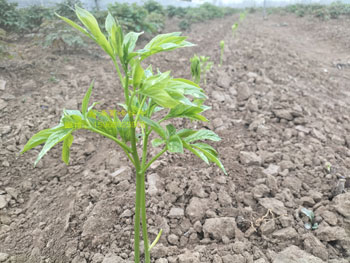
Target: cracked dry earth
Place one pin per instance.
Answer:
(280, 102)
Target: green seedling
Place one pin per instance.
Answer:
(145, 93)
(199, 67)
(222, 45)
(242, 16)
(196, 69)
(310, 224)
(234, 29)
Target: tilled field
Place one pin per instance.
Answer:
(281, 104)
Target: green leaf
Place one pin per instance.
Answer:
(137, 74)
(157, 142)
(164, 42)
(110, 23)
(196, 152)
(91, 23)
(39, 138)
(67, 142)
(130, 40)
(188, 87)
(174, 144)
(56, 137)
(85, 103)
(155, 126)
(203, 135)
(211, 157)
(185, 111)
(183, 133)
(171, 129)
(76, 26)
(155, 87)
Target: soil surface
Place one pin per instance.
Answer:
(280, 102)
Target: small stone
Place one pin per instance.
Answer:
(3, 104)
(319, 135)
(342, 204)
(215, 228)
(8, 96)
(250, 158)
(153, 184)
(196, 208)
(268, 227)
(314, 246)
(317, 196)
(287, 165)
(2, 87)
(173, 239)
(288, 233)
(3, 257)
(218, 96)
(272, 170)
(3, 202)
(113, 259)
(126, 213)
(293, 254)
(5, 129)
(307, 201)
(275, 205)
(176, 212)
(97, 258)
(330, 217)
(284, 114)
(189, 257)
(329, 233)
(243, 91)
(292, 183)
(12, 192)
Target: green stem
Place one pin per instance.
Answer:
(143, 198)
(139, 179)
(153, 159)
(124, 82)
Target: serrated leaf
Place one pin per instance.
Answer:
(39, 138)
(56, 137)
(183, 133)
(164, 42)
(67, 142)
(211, 157)
(203, 135)
(199, 154)
(85, 102)
(174, 144)
(130, 40)
(91, 24)
(155, 126)
(137, 74)
(76, 26)
(171, 129)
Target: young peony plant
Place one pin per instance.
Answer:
(222, 46)
(145, 93)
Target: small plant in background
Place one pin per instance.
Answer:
(199, 67)
(242, 16)
(196, 69)
(222, 46)
(58, 36)
(309, 219)
(234, 29)
(145, 93)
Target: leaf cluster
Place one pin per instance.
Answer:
(151, 92)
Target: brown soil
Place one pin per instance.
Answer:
(280, 103)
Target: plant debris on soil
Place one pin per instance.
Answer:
(279, 103)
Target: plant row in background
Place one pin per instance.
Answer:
(332, 11)
(149, 18)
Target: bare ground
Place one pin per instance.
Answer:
(280, 103)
